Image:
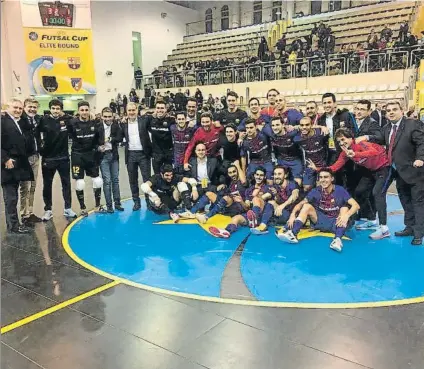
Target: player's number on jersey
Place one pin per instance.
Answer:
(75, 170)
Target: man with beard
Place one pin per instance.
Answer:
(227, 201)
(255, 197)
(312, 112)
(85, 156)
(313, 142)
(159, 126)
(232, 114)
(255, 151)
(208, 134)
(329, 207)
(254, 113)
(54, 132)
(287, 115)
(181, 136)
(164, 191)
(286, 151)
(285, 194)
(110, 136)
(271, 97)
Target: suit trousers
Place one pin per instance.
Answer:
(10, 196)
(27, 189)
(411, 196)
(136, 160)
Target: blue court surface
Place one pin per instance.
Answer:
(144, 249)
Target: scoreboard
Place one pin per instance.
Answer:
(56, 14)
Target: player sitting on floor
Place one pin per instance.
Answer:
(327, 206)
(229, 199)
(255, 197)
(166, 190)
(284, 193)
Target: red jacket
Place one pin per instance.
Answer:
(210, 139)
(367, 154)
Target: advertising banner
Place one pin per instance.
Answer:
(60, 61)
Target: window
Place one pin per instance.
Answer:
(225, 17)
(335, 5)
(316, 6)
(208, 20)
(257, 12)
(276, 10)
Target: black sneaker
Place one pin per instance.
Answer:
(137, 206)
(33, 219)
(101, 209)
(119, 207)
(110, 210)
(84, 213)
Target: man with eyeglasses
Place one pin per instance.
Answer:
(27, 189)
(404, 139)
(138, 151)
(85, 155)
(329, 207)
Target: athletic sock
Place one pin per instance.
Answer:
(231, 228)
(340, 231)
(267, 214)
(218, 207)
(200, 204)
(297, 226)
(97, 196)
(80, 197)
(257, 210)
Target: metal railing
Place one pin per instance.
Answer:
(333, 64)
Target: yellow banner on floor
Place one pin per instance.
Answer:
(60, 61)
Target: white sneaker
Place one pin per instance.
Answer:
(202, 218)
(369, 224)
(288, 237)
(380, 233)
(48, 214)
(187, 215)
(336, 245)
(69, 213)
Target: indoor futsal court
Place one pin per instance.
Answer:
(142, 292)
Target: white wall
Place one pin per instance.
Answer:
(113, 23)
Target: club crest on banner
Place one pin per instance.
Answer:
(74, 62)
(76, 83)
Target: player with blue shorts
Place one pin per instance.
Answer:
(283, 194)
(329, 207)
(313, 142)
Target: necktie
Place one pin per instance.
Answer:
(392, 142)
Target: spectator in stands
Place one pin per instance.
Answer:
(329, 43)
(362, 54)
(403, 30)
(180, 101)
(386, 32)
(410, 40)
(124, 102)
(263, 48)
(315, 42)
(210, 100)
(218, 107)
(138, 76)
(292, 62)
(281, 44)
(187, 93)
(113, 106)
(199, 97)
(372, 40)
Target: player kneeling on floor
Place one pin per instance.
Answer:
(284, 193)
(255, 197)
(166, 190)
(329, 207)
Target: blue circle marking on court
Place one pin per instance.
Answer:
(146, 250)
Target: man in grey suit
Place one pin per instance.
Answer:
(404, 139)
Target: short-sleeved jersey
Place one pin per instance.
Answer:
(249, 192)
(328, 203)
(315, 147)
(162, 187)
(256, 149)
(283, 193)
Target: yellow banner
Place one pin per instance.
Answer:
(60, 61)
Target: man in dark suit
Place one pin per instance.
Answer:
(404, 139)
(27, 189)
(379, 115)
(368, 130)
(138, 151)
(15, 166)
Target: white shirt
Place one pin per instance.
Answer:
(329, 123)
(202, 170)
(16, 122)
(107, 128)
(134, 143)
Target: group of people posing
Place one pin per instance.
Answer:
(271, 165)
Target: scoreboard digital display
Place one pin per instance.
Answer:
(56, 14)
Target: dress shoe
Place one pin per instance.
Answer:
(417, 241)
(405, 233)
(20, 230)
(119, 207)
(33, 219)
(137, 206)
